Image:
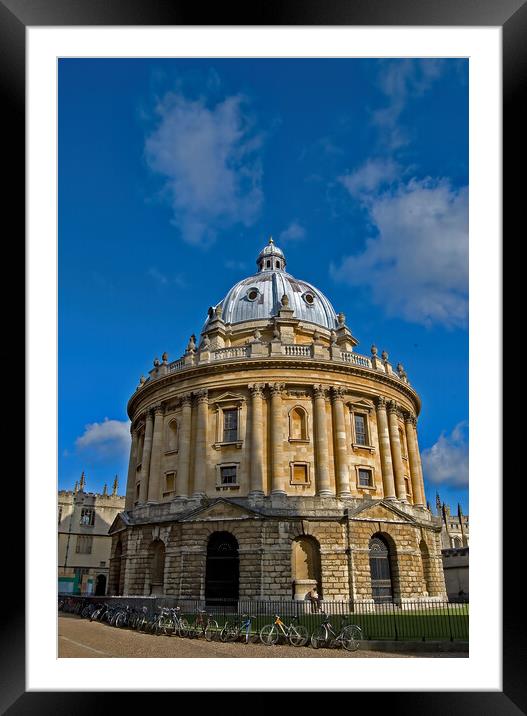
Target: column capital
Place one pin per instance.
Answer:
(276, 388)
(410, 418)
(380, 402)
(185, 400)
(256, 390)
(320, 391)
(337, 393)
(202, 396)
(393, 407)
(158, 408)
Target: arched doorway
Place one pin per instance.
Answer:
(380, 570)
(157, 567)
(100, 585)
(222, 573)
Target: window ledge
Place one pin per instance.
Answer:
(300, 484)
(227, 487)
(357, 446)
(234, 443)
(171, 452)
(372, 488)
(300, 440)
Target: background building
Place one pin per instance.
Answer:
(83, 541)
(271, 457)
(455, 549)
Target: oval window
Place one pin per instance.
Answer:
(309, 298)
(252, 294)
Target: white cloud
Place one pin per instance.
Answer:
(401, 80)
(370, 176)
(208, 156)
(111, 438)
(446, 462)
(416, 267)
(162, 280)
(294, 232)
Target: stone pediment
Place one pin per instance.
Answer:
(120, 522)
(229, 398)
(382, 510)
(221, 510)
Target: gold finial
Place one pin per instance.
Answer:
(271, 240)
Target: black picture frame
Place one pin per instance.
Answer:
(15, 17)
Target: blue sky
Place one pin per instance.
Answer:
(174, 173)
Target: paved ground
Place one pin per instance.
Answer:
(82, 638)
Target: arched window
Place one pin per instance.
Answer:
(298, 424)
(172, 436)
(305, 565)
(403, 444)
(157, 567)
(457, 542)
(278, 264)
(425, 560)
(222, 572)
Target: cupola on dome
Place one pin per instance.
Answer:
(259, 297)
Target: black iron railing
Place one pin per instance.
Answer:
(408, 621)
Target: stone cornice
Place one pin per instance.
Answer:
(252, 364)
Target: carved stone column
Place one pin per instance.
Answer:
(321, 443)
(277, 439)
(397, 456)
(257, 468)
(145, 460)
(130, 483)
(183, 469)
(414, 460)
(154, 481)
(341, 451)
(200, 443)
(384, 449)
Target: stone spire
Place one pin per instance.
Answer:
(438, 503)
(82, 484)
(105, 490)
(115, 485)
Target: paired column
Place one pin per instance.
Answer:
(321, 443)
(145, 460)
(130, 483)
(256, 469)
(277, 438)
(397, 456)
(415, 461)
(183, 470)
(154, 480)
(341, 452)
(385, 452)
(200, 455)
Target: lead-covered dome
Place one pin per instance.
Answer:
(259, 297)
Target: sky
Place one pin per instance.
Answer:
(173, 173)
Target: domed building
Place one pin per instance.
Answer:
(271, 458)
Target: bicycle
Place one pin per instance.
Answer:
(233, 630)
(349, 636)
(295, 634)
(204, 625)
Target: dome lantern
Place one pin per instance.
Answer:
(271, 258)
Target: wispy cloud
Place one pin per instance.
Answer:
(208, 156)
(446, 462)
(401, 80)
(108, 439)
(163, 280)
(416, 267)
(372, 175)
(294, 232)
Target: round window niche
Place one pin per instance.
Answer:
(252, 294)
(309, 298)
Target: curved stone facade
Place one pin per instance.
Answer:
(274, 431)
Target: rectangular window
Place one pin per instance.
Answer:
(361, 436)
(299, 475)
(170, 482)
(60, 513)
(228, 475)
(88, 517)
(230, 426)
(365, 478)
(84, 544)
(408, 488)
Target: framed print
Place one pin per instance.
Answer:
(158, 148)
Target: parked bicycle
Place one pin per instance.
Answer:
(204, 625)
(349, 635)
(232, 630)
(295, 634)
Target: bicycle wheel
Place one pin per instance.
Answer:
(269, 634)
(298, 635)
(212, 631)
(351, 637)
(183, 627)
(318, 638)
